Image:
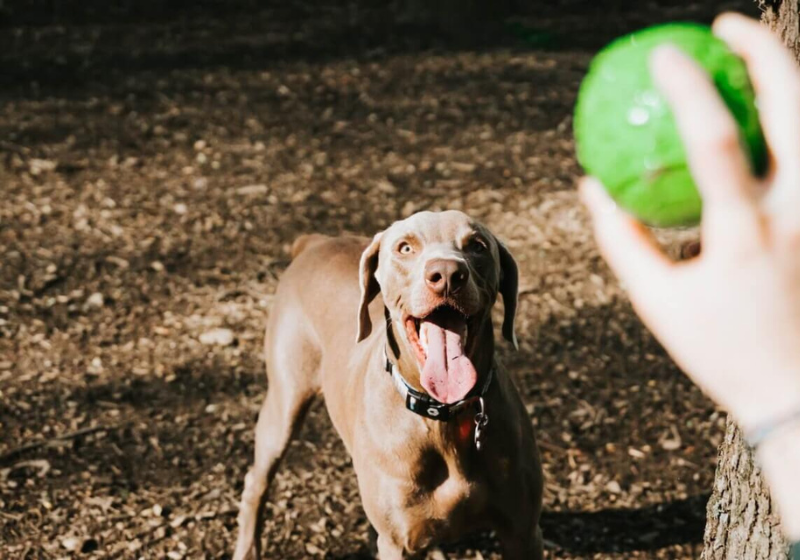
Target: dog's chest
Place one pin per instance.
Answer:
(444, 501)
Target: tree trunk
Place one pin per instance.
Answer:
(741, 523)
(783, 17)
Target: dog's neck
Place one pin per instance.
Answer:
(403, 357)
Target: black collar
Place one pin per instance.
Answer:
(422, 404)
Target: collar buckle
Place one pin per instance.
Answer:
(422, 404)
(481, 420)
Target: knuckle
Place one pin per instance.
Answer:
(789, 237)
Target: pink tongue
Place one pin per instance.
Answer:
(448, 374)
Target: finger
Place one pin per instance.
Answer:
(624, 243)
(709, 133)
(776, 79)
(713, 147)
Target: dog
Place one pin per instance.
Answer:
(396, 333)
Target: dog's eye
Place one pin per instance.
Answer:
(476, 245)
(405, 248)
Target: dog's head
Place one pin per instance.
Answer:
(439, 274)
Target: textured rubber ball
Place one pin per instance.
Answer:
(625, 132)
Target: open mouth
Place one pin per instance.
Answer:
(439, 341)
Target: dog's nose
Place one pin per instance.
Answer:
(445, 276)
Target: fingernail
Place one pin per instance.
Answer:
(670, 66)
(608, 206)
(729, 24)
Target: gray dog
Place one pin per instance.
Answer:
(396, 333)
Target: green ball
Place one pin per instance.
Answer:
(626, 134)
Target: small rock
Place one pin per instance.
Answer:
(71, 543)
(96, 366)
(178, 521)
(118, 262)
(462, 167)
(386, 187)
(249, 190)
(38, 166)
(671, 443)
(218, 337)
(180, 208)
(95, 300)
(636, 454)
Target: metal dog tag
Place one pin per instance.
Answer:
(481, 420)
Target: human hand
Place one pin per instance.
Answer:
(730, 317)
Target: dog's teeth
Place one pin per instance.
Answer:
(423, 339)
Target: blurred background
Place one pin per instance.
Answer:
(157, 158)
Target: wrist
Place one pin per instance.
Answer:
(778, 402)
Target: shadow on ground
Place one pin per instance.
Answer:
(45, 48)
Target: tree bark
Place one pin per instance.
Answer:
(783, 17)
(741, 523)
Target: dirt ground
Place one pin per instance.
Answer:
(154, 168)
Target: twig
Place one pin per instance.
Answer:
(236, 292)
(551, 446)
(63, 437)
(200, 516)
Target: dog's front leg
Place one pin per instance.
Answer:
(281, 415)
(525, 546)
(388, 549)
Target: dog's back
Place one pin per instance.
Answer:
(307, 241)
(319, 293)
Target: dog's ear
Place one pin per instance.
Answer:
(509, 288)
(369, 285)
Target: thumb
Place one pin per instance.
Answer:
(625, 244)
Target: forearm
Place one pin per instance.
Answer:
(779, 457)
